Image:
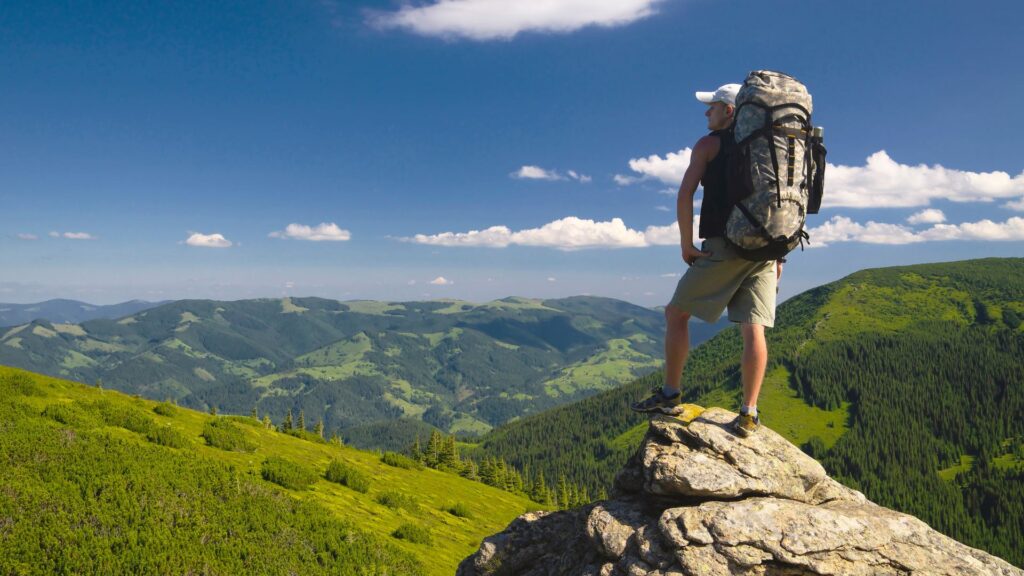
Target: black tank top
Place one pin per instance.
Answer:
(714, 208)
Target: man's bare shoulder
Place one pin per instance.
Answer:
(705, 149)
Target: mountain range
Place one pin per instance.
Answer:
(360, 365)
(68, 311)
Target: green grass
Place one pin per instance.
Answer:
(949, 474)
(400, 461)
(453, 537)
(413, 533)
(785, 412)
(617, 364)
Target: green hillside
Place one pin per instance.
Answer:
(455, 366)
(907, 383)
(94, 481)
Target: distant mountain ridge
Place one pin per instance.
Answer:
(69, 311)
(457, 366)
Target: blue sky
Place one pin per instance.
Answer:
(349, 149)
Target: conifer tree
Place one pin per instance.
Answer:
(319, 429)
(253, 414)
(469, 471)
(302, 420)
(288, 421)
(267, 423)
(449, 457)
(415, 452)
(564, 498)
(213, 410)
(434, 446)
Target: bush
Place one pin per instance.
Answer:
(222, 434)
(397, 500)
(21, 384)
(64, 413)
(399, 461)
(166, 436)
(246, 420)
(347, 476)
(412, 533)
(165, 409)
(288, 474)
(125, 417)
(458, 509)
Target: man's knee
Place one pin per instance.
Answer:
(675, 317)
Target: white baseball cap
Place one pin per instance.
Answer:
(726, 93)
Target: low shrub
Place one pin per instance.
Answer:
(165, 409)
(246, 420)
(166, 436)
(458, 509)
(125, 417)
(412, 533)
(64, 413)
(21, 384)
(288, 474)
(347, 476)
(399, 461)
(222, 434)
(397, 500)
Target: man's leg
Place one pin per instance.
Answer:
(677, 346)
(755, 359)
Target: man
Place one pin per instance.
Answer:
(717, 278)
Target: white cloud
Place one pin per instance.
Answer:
(23, 236)
(78, 236)
(885, 183)
(1017, 205)
(208, 240)
(929, 216)
(552, 279)
(536, 173)
(662, 208)
(71, 235)
(441, 281)
(671, 275)
(504, 19)
(289, 285)
(843, 229)
(530, 172)
(570, 233)
(324, 232)
(668, 169)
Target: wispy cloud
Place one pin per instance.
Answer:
(324, 232)
(504, 19)
(208, 241)
(530, 172)
(72, 235)
(843, 229)
(570, 233)
(24, 236)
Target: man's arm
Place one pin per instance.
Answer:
(703, 152)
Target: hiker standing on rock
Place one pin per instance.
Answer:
(717, 277)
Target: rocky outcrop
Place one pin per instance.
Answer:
(696, 499)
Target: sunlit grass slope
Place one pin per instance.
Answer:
(94, 481)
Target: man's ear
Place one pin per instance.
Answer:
(729, 110)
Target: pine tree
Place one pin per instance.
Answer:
(319, 429)
(267, 423)
(539, 493)
(564, 498)
(288, 421)
(213, 410)
(469, 471)
(415, 452)
(253, 414)
(449, 457)
(302, 420)
(434, 446)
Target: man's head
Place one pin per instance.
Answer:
(721, 105)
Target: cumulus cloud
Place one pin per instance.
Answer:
(843, 229)
(570, 233)
(24, 236)
(884, 183)
(441, 281)
(324, 232)
(537, 173)
(503, 20)
(1017, 205)
(208, 241)
(929, 216)
(668, 169)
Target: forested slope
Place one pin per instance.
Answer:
(906, 382)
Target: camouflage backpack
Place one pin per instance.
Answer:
(775, 174)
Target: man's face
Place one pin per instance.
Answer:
(719, 115)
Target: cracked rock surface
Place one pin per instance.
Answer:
(697, 500)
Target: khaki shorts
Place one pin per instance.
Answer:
(726, 280)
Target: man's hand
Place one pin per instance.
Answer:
(690, 254)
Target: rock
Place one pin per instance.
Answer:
(697, 500)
